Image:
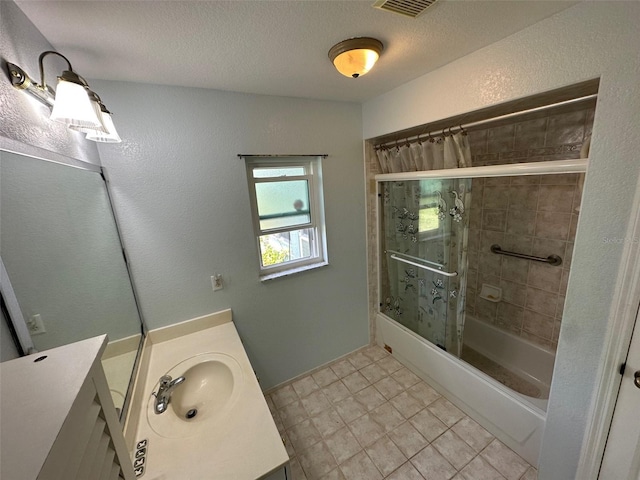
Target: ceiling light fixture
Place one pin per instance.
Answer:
(356, 56)
(71, 103)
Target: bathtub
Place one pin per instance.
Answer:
(525, 359)
(515, 419)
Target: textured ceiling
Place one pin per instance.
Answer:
(270, 47)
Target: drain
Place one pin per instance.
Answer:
(191, 413)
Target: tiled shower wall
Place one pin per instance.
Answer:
(532, 215)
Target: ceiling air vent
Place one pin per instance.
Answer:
(410, 8)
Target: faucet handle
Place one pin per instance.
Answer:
(165, 380)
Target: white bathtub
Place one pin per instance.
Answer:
(525, 359)
(513, 418)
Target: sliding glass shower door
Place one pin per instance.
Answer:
(424, 236)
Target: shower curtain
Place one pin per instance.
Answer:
(426, 222)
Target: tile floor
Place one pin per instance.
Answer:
(367, 417)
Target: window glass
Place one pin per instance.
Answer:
(269, 172)
(283, 204)
(286, 246)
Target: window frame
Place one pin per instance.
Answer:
(312, 166)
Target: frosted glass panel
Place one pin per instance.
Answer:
(283, 204)
(271, 172)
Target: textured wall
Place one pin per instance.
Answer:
(22, 118)
(182, 198)
(592, 39)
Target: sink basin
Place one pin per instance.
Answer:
(211, 388)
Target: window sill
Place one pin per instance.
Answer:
(294, 270)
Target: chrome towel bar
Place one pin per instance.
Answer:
(553, 260)
(424, 267)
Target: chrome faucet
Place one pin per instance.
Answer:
(163, 396)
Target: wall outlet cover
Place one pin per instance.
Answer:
(36, 325)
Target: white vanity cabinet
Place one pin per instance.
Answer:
(57, 417)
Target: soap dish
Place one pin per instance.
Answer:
(491, 293)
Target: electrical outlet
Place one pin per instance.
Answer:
(216, 282)
(36, 325)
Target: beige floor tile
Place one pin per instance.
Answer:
(505, 460)
(373, 373)
(343, 445)
(349, 409)
(385, 455)
(406, 404)
(366, 430)
(317, 461)
(293, 413)
(375, 352)
(334, 474)
(389, 364)
(432, 465)
(305, 386)
(355, 382)
(328, 422)
(295, 470)
(360, 467)
(270, 404)
(278, 421)
(429, 426)
(479, 469)
(423, 393)
(315, 403)
(531, 474)
(284, 396)
(405, 377)
(454, 449)
(446, 411)
(303, 435)
(406, 472)
(343, 368)
(336, 391)
(369, 398)
(473, 434)
(388, 387)
(287, 444)
(408, 439)
(324, 377)
(359, 360)
(387, 416)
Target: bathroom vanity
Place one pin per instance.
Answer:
(58, 418)
(217, 424)
(59, 421)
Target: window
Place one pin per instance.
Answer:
(288, 213)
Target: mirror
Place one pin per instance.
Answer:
(60, 247)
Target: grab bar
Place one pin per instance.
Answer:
(424, 267)
(553, 260)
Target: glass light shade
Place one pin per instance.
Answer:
(111, 135)
(355, 63)
(356, 56)
(73, 107)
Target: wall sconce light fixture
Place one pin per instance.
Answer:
(356, 56)
(72, 102)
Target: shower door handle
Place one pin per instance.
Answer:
(636, 379)
(424, 267)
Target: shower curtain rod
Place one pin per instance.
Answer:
(443, 132)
